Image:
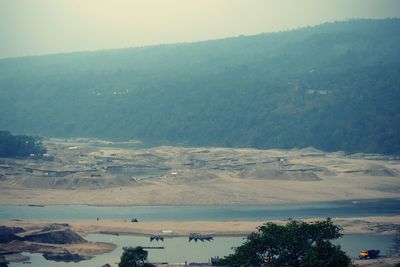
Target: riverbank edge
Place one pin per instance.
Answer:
(371, 225)
(28, 202)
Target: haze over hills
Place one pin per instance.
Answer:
(334, 87)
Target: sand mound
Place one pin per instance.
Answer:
(52, 234)
(190, 176)
(273, 174)
(63, 236)
(72, 182)
(375, 170)
(311, 151)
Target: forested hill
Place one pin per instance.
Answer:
(334, 87)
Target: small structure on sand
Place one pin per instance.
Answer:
(156, 238)
(201, 237)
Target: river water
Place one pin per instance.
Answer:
(214, 213)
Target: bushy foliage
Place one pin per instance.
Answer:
(294, 244)
(333, 87)
(395, 249)
(134, 257)
(3, 262)
(19, 145)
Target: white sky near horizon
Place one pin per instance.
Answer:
(36, 27)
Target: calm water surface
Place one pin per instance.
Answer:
(214, 213)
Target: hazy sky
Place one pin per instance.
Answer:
(31, 27)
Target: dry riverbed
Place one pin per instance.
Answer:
(90, 171)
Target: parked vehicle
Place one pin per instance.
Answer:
(369, 254)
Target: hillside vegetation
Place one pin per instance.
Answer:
(334, 87)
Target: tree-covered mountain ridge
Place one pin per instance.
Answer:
(335, 86)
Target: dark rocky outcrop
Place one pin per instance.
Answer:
(7, 234)
(55, 226)
(262, 173)
(63, 256)
(63, 236)
(50, 234)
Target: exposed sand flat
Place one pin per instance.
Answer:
(90, 249)
(79, 173)
(224, 191)
(359, 225)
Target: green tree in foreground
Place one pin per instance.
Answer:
(395, 249)
(134, 257)
(3, 262)
(294, 244)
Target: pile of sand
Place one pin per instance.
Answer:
(375, 170)
(273, 174)
(71, 182)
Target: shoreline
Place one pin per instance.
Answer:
(370, 225)
(161, 204)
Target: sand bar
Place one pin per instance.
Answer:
(382, 225)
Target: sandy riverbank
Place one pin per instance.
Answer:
(357, 225)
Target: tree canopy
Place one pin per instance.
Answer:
(295, 244)
(134, 257)
(19, 145)
(3, 262)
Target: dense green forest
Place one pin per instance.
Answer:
(20, 145)
(335, 86)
